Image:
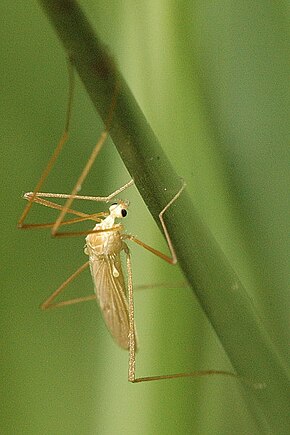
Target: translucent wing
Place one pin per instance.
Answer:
(110, 289)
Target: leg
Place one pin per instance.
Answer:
(132, 344)
(38, 198)
(57, 150)
(132, 336)
(173, 258)
(96, 217)
(89, 163)
(82, 216)
(195, 374)
(108, 198)
(36, 195)
(49, 302)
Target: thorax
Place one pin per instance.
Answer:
(106, 242)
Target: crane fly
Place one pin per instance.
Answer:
(104, 245)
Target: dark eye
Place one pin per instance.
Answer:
(124, 212)
(115, 203)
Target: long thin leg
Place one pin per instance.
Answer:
(38, 198)
(83, 197)
(89, 163)
(96, 217)
(49, 302)
(67, 222)
(132, 343)
(132, 340)
(195, 374)
(82, 216)
(32, 196)
(58, 148)
(173, 258)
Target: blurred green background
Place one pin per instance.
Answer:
(213, 81)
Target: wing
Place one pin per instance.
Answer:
(110, 289)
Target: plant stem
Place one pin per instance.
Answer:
(216, 285)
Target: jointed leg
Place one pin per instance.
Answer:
(132, 334)
(57, 150)
(173, 258)
(196, 374)
(82, 216)
(36, 195)
(96, 217)
(49, 302)
(89, 163)
(38, 198)
(107, 198)
(132, 344)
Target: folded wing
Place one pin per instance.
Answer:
(110, 289)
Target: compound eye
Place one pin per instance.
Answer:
(124, 212)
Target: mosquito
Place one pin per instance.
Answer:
(104, 245)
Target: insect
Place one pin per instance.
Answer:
(104, 245)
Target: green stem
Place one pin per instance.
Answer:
(216, 285)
